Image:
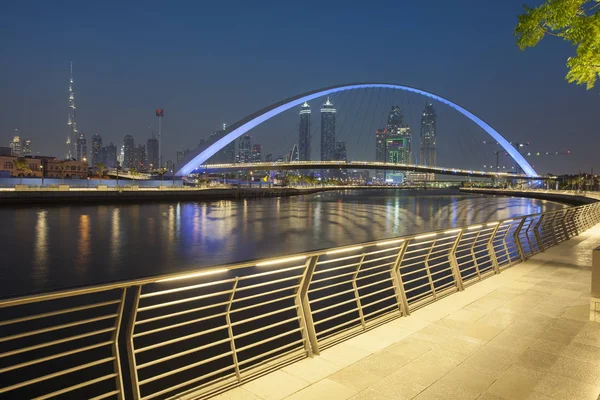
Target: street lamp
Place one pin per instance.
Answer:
(42, 171)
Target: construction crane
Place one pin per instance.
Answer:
(519, 146)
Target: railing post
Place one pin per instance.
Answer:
(397, 280)
(536, 232)
(115, 347)
(357, 296)
(135, 388)
(454, 262)
(310, 266)
(518, 240)
(564, 224)
(236, 365)
(492, 252)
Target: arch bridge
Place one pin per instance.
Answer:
(197, 158)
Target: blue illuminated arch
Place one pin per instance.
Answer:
(195, 159)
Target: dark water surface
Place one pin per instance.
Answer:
(53, 247)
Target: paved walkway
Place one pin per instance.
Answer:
(523, 334)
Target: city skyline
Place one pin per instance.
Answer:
(117, 95)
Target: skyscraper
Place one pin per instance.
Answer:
(427, 155)
(304, 133)
(73, 134)
(96, 149)
(140, 157)
(257, 153)
(152, 148)
(245, 149)
(128, 152)
(380, 135)
(81, 148)
(15, 146)
(398, 143)
(294, 154)
(327, 131)
(111, 155)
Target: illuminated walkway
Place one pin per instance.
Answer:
(523, 334)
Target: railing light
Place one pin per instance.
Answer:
(195, 275)
(426, 236)
(280, 261)
(344, 250)
(390, 242)
(452, 231)
(492, 224)
(507, 221)
(475, 227)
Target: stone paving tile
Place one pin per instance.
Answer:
(442, 358)
(515, 344)
(237, 393)
(312, 369)
(479, 330)
(444, 390)
(470, 378)
(513, 385)
(276, 385)
(410, 347)
(561, 387)
(462, 344)
(355, 377)
(383, 363)
(370, 394)
(344, 354)
(491, 358)
(324, 389)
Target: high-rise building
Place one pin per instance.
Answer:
(103, 156)
(244, 149)
(140, 157)
(224, 156)
(256, 153)
(380, 135)
(399, 137)
(269, 158)
(96, 149)
(15, 146)
(111, 155)
(340, 151)
(81, 148)
(327, 131)
(427, 155)
(152, 147)
(304, 133)
(26, 149)
(128, 152)
(73, 134)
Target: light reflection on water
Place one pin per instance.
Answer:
(58, 247)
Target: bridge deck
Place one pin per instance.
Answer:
(523, 334)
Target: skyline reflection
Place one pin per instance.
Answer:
(71, 247)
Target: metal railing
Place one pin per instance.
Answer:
(198, 333)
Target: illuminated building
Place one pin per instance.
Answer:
(327, 131)
(304, 133)
(15, 146)
(96, 150)
(81, 148)
(257, 153)
(73, 134)
(111, 155)
(128, 152)
(152, 147)
(427, 154)
(244, 149)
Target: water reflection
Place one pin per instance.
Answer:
(113, 242)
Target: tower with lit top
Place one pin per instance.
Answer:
(73, 134)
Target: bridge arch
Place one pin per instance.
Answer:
(197, 158)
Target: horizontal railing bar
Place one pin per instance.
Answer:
(338, 259)
(183, 353)
(55, 356)
(186, 300)
(329, 278)
(75, 387)
(375, 283)
(167, 327)
(179, 313)
(266, 327)
(244, 288)
(384, 272)
(180, 339)
(244, 321)
(261, 304)
(60, 312)
(267, 353)
(353, 310)
(253, 296)
(105, 395)
(352, 300)
(240, 349)
(59, 341)
(56, 374)
(57, 327)
(186, 383)
(325, 331)
(373, 294)
(417, 287)
(317, 300)
(185, 288)
(320, 289)
(329, 270)
(384, 309)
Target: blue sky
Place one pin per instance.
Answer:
(211, 62)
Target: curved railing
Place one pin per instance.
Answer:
(201, 332)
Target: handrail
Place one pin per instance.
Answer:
(214, 328)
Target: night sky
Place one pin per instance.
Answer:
(207, 63)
